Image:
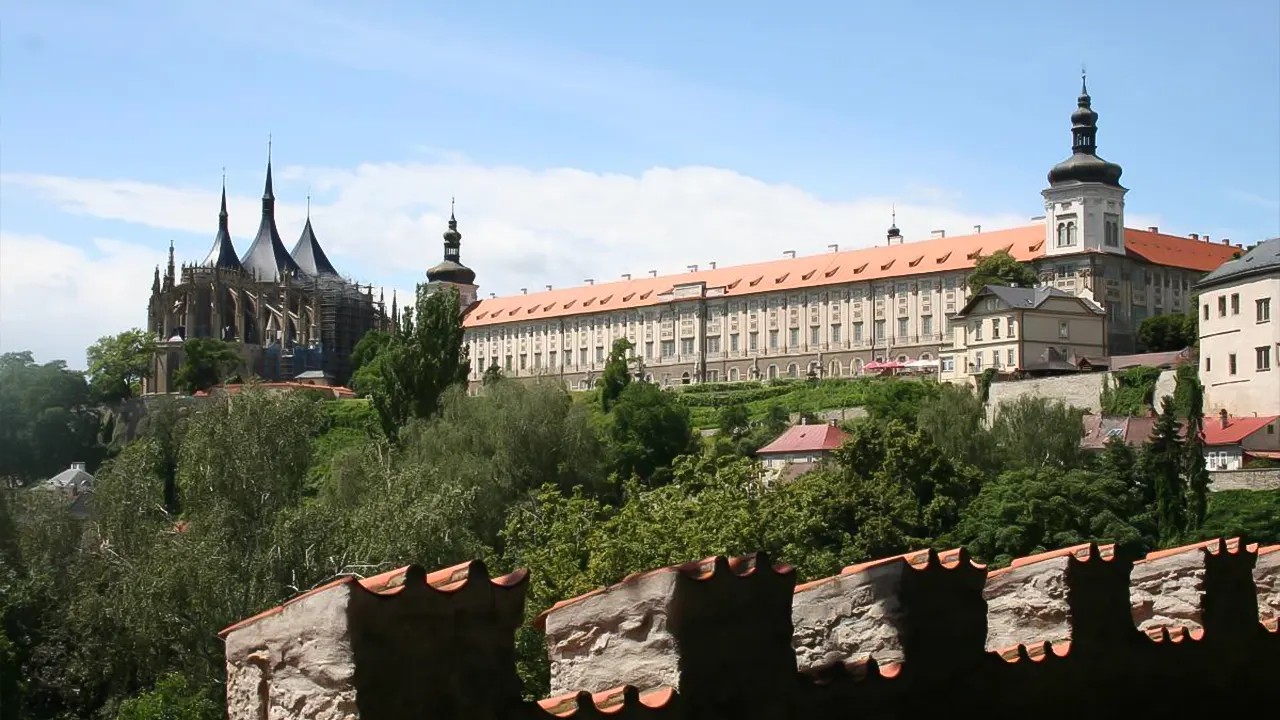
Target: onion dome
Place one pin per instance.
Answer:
(1084, 165)
(452, 270)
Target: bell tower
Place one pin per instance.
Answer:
(451, 272)
(1084, 203)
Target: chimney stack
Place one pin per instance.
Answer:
(937, 233)
(712, 264)
(977, 229)
(524, 291)
(1196, 236)
(1153, 228)
(693, 268)
(1223, 419)
(590, 281)
(548, 288)
(626, 276)
(789, 254)
(834, 247)
(653, 273)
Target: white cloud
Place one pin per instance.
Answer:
(526, 228)
(56, 299)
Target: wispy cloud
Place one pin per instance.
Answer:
(1251, 198)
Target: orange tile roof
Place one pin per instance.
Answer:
(1215, 547)
(607, 701)
(869, 263)
(1237, 429)
(1083, 552)
(806, 438)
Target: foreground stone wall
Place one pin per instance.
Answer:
(1082, 390)
(1079, 632)
(1261, 479)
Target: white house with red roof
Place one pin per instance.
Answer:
(1230, 442)
(799, 449)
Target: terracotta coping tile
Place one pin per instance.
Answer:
(1035, 652)
(1268, 549)
(608, 701)
(446, 580)
(1081, 552)
(1231, 545)
(1272, 624)
(918, 559)
(1175, 634)
(741, 566)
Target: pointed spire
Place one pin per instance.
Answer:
(1084, 82)
(155, 284)
(223, 253)
(395, 314)
(894, 235)
(452, 269)
(170, 277)
(268, 193)
(267, 257)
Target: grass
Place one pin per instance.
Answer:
(793, 396)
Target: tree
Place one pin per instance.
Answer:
(1195, 468)
(1037, 432)
(734, 421)
(173, 698)
(46, 419)
(492, 374)
(956, 422)
(1167, 333)
(206, 361)
(616, 375)
(1163, 460)
(425, 358)
(368, 348)
(1000, 268)
(645, 431)
(119, 363)
(900, 400)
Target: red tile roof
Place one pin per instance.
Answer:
(877, 262)
(1237, 429)
(609, 701)
(806, 438)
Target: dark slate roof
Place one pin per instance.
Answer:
(309, 255)
(1084, 165)
(266, 257)
(1260, 259)
(223, 253)
(1025, 298)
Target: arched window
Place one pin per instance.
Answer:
(903, 358)
(835, 368)
(1071, 233)
(1062, 234)
(773, 372)
(926, 356)
(857, 366)
(648, 377)
(684, 378)
(733, 374)
(815, 368)
(793, 370)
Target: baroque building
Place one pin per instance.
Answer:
(831, 314)
(287, 312)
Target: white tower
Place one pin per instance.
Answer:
(1084, 203)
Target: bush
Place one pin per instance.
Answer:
(1129, 392)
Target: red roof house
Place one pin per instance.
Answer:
(1230, 442)
(799, 449)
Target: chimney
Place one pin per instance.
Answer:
(1037, 217)
(937, 233)
(834, 247)
(1226, 241)
(524, 291)
(712, 264)
(789, 254)
(653, 273)
(1206, 237)
(977, 229)
(804, 420)
(1153, 228)
(548, 288)
(1223, 419)
(626, 276)
(493, 295)
(692, 268)
(1195, 236)
(77, 466)
(589, 281)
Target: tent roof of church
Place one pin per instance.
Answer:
(223, 253)
(266, 257)
(308, 254)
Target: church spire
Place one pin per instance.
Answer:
(451, 269)
(268, 194)
(170, 278)
(223, 253)
(894, 235)
(267, 257)
(1084, 165)
(155, 284)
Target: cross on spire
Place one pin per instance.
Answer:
(1084, 86)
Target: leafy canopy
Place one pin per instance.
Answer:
(1000, 268)
(119, 363)
(206, 362)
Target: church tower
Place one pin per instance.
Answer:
(1084, 203)
(451, 272)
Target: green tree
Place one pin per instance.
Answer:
(1000, 268)
(646, 430)
(1167, 333)
(1027, 511)
(1130, 391)
(1035, 432)
(956, 422)
(1163, 461)
(206, 362)
(617, 373)
(368, 349)
(425, 358)
(734, 421)
(47, 420)
(891, 399)
(119, 363)
(492, 374)
(1195, 468)
(173, 698)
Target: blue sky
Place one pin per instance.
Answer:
(584, 140)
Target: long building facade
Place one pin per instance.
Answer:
(831, 314)
(286, 312)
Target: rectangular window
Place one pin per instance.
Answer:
(599, 353)
(815, 335)
(733, 342)
(1010, 357)
(480, 365)
(648, 350)
(537, 361)
(493, 361)
(507, 364)
(686, 346)
(995, 328)
(995, 358)
(1231, 364)
(1009, 326)
(977, 330)
(1208, 364)
(773, 339)
(753, 341)
(794, 338)
(1235, 303)
(1264, 358)
(902, 327)
(1263, 307)
(1206, 311)
(551, 359)
(713, 345)
(835, 334)
(668, 348)
(948, 364)
(1064, 329)
(977, 362)
(926, 325)
(857, 332)
(1222, 306)
(879, 330)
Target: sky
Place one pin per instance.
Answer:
(586, 140)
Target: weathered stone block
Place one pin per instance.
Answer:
(1266, 576)
(878, 609)
(1168, 587)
